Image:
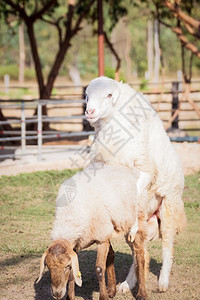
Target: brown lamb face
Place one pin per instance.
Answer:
(62, 263)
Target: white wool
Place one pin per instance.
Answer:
(144, 143)
(102, 205)
(129, 132)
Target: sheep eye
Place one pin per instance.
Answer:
(86, 98)
(109, 96)
(68, 267)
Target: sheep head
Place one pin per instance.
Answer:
(63, 265)
(101, 96)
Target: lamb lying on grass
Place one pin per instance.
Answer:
(129, 132)
(96, 210)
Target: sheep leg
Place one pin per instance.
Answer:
(110, 270)
(71, 287)
(102, 252)
(130, 281)
(139, 248)
(167, 231)
(71, 290)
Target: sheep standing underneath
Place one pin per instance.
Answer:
(129, 132)
(99, 209)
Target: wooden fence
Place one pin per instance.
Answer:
(178, 109)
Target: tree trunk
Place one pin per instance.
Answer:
(21, 53)
(157, 53)
(150, 49)
(35, 54)
(6, 127)
(113, 51)
(45, 125)
(127, 55)
(57, 64)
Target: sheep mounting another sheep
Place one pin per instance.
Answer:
(129, 132)
(100, 208)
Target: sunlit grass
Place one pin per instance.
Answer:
(27, 212)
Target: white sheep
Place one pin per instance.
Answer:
(92, 211)
(129, 132)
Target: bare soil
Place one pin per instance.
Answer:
(188, 152)
(19, 276)
(19, 272)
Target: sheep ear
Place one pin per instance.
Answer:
(42, 265)
(115, 96)
(75, 268)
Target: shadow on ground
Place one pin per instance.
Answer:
(90, 284)
(5, 152)
(87, 261)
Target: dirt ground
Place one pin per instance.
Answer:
(19, 272)
(188, 152)
(22, 272)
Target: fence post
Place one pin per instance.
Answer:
(175, 103)
(6, 83)
(39, 131)
(23, 128)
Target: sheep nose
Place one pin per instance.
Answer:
(90, 111)
(57, 295)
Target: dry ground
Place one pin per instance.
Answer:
(20, 271)
(27, 208)
(188, 152)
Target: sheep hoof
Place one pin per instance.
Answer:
(163, 282)
(111, 291)
(162, 289)
(141, 298)
(123, 288)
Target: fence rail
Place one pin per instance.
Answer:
(23, 135)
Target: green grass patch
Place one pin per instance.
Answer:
(27, 210)
(28, 206)
(13, 71)
(27, 213)
(19, 93)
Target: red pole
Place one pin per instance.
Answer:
(100, 39)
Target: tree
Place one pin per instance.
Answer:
(66, 19)
(181, 23)
(21, 53)
(68, 23)
(112, 12)
(186, 27)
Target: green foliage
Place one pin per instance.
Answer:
(110, 72)
(19, 93)
(13, 71)
(83, 53)
(29, 74)
(112, 11)
(144, 85)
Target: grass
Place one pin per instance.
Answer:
(18, 93)
(27, 211)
